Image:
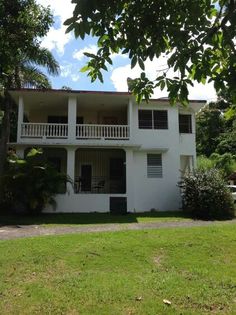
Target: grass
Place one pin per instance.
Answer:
(117, 273)
(92, 218)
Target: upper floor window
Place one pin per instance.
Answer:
(154, 165)
(185, 123)
(153, 119)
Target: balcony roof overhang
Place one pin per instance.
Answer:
(61, 96)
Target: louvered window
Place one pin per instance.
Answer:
(185, 123)
(154, 165)
(153, 119)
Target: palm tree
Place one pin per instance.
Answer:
(26, 73)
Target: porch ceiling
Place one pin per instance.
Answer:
(42, 99)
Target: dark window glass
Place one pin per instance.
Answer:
(185, 123)
(160, 119)
(145, 119)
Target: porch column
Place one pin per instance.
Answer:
(20, 117)
(129, 180)
(71, 168)
(130, 116)
(72, 113)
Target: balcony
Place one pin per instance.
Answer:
(83, 131)
(44, 130)
(106, 132)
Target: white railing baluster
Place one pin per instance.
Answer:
(83, 131)
(40, 130)
(93, 131)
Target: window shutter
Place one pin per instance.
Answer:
(154, 166)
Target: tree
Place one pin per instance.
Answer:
(23, 23)
(30, 184)
(209, 126)
(197, 36)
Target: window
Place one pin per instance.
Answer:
(153, 119)
(154, 165)
(145, 119)
(185, 123)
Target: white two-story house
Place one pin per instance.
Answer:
(120, 155)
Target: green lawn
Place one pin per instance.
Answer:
(121, 273)
(92, 218)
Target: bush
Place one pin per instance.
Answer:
(29, 185)
(206, 196)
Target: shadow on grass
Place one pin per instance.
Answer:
(89, 218)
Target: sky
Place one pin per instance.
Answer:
(68, 51)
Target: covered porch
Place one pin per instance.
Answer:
(100, 171)
(54, 116)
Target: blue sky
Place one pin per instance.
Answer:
(69, 53)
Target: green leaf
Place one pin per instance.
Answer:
(134, 61)
(141, 64)
(162, 85)
(70, 28)
(85, 69)
(69, 21)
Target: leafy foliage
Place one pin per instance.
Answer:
(205, 195)
(23, 24)
(209, 126)
(147, 29)
(28, 185)
(225, 163)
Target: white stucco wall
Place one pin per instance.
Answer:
(156, 193)
(142, 193)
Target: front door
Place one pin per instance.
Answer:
(117, 175)
(86, 177)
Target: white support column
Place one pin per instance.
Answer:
(72, 113)
(20, 117)
(71, 168)
(130, 179)
(130, 116)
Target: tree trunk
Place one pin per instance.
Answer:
(5, 130)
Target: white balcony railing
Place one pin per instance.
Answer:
(38, 130)
(89, 131)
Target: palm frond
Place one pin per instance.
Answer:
(43, 57)
(31, 76)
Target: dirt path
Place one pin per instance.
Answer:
(19, 231)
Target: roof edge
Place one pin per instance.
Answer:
(162, 99)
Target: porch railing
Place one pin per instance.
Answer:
(89, 131)
(41, 130)
(99, 185)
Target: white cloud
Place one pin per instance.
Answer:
(92, 49)
(79, 54)
(119, 55)
(56, 37)
(153, 69)
(62, 9)
(70, 71)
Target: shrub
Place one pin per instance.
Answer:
(206, 196)
(29, 184)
